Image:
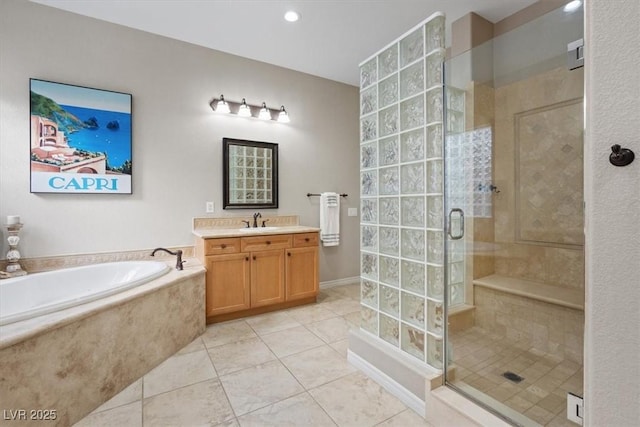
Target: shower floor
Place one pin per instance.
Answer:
(481, 359)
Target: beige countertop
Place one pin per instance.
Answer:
(212, 233)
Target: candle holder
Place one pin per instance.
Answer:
(13, 268)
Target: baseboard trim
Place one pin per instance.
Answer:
(339, 282)
(393, 387)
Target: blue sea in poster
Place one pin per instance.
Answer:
(115, 143)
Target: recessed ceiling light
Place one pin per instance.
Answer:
(292, 16)
(572, 5)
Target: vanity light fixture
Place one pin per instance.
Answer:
(283, 116)
(222, 106)
(242, 109)
(265, 114)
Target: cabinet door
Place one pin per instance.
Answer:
(228, 278)
(302, 273)
(267, 277)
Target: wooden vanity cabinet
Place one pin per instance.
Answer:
(302, 267)
(228, 283)
(255, 274)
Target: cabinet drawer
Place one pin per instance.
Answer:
(305, 239)
(261, 243)
(221, 246)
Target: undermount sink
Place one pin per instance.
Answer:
(258, 229)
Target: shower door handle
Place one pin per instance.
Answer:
(460, 232)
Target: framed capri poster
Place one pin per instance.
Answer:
(80, 139)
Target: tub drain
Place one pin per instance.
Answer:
(512, 377)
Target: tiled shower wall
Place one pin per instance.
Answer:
(401, 186)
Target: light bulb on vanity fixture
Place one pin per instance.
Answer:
(283, 116)
(244, 110)
(265, 114)
(222, 106)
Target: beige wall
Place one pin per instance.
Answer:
(177, 139)
(612, 195)
(538, 158)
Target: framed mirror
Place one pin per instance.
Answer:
(250, 174)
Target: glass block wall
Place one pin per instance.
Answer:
(401, 185)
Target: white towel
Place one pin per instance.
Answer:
(330, 219)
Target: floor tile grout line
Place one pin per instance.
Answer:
(226, 395)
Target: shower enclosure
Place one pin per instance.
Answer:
(471, 233)
(514, 205)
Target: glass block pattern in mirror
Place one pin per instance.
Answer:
(389, 240)
(369, 101)
(412, 179)
(412, 342)
(368, 155)
(389, 181)
(413, 276)
(369, 128)
(413, 211)
(412, 244)
(412, 113)
(388, 121)
(369, 210)
(369, 293)
(369, 183)
(388, 91)
(412, 80)
(369, 238)
(389, 270)
(369, 319)
(389, 329)
(395, 188)
(389, 151)
(413, 310)
(388, 61)
(412, 145)
(389, 211)
(368, 73)
(412, 47)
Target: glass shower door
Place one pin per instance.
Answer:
(514, 221)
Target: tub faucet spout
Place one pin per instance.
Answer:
(177, 253)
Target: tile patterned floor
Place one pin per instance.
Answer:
(481, 359)
(286, 368)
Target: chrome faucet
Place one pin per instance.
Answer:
(177, 253)
(255, 219)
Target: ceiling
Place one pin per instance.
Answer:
(330, 40)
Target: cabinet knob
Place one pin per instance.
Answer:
(254, 257)
(246, 258)
(306, 239)
(288, 253)
(223, 246)
(268, 242)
